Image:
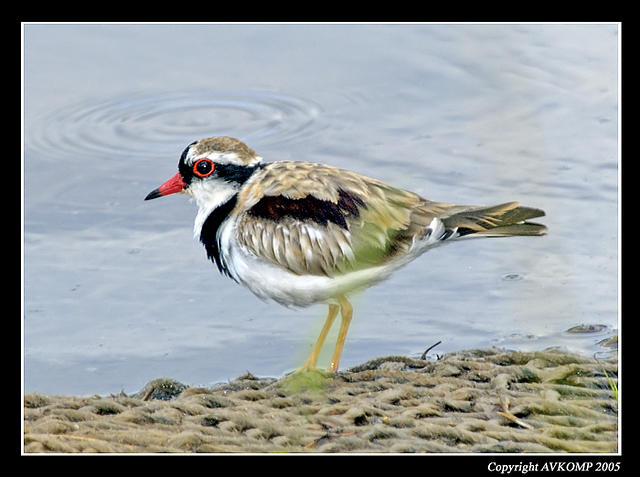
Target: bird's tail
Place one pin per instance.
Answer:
(497, 221)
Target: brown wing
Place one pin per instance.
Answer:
(320, 220)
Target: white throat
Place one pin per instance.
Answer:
(207, 199)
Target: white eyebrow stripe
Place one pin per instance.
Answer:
(225, 157)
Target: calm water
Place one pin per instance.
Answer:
(117, 292)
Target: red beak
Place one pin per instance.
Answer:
(172, 186)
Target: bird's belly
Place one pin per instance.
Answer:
(269, 281)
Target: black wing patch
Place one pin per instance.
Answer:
(310, 208)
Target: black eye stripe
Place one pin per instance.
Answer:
(232, 173)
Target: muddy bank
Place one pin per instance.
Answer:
(472, 401)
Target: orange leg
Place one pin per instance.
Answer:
(311, 361)
(346, 311)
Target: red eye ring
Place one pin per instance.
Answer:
(203, 168)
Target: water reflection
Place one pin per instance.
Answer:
(150, 124)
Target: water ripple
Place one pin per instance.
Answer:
(150, 124)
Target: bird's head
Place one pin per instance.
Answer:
(211, 171)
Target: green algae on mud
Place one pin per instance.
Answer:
(312, 380)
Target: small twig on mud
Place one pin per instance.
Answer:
(424, 355)
(504, 403)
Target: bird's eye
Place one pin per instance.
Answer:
(203, 168)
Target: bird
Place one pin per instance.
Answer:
(301, 233)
